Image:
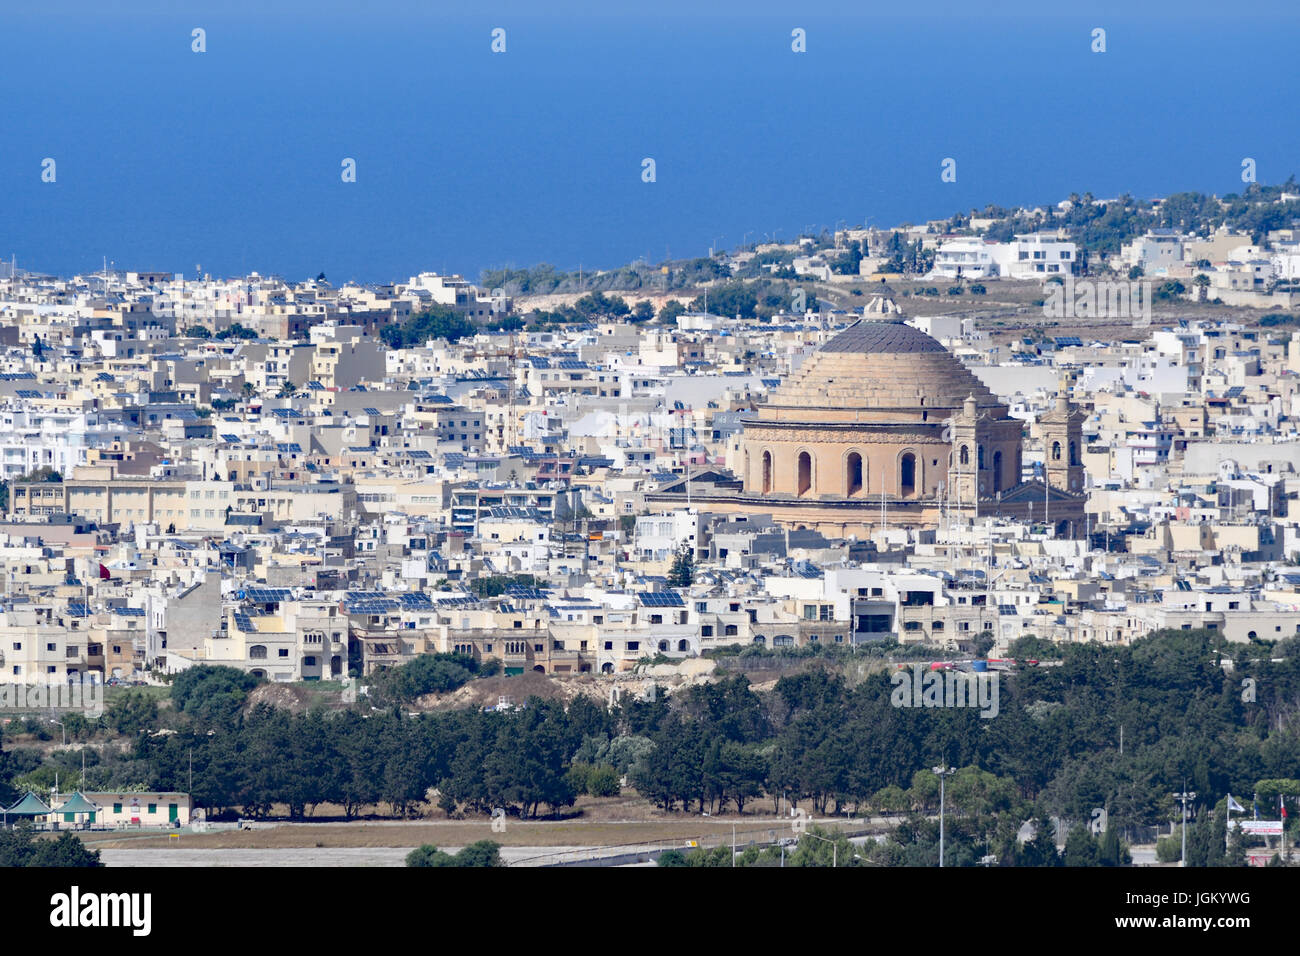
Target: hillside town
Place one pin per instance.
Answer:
(309, 482)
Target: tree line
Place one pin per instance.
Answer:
(818, 740)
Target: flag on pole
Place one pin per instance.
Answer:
(1234, 805)
(1281, 802)
(1255, 806)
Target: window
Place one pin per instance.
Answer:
(805, 473)
(153, 808)
(117, 808)
(284, 652)
(907, 475)
(706, 630)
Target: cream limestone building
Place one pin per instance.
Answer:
(883, 425)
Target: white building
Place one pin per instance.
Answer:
(1029, 256)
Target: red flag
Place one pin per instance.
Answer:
(103, 573)
(1281, 802)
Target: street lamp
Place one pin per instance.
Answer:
(941, 772)
(62, 728)
(835, 848)
(1184, 797)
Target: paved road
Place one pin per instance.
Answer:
(297, 856)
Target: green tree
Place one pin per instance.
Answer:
(20, 847)
(671, 310)
(480, 854)
(133, 712)
(1080, 847)
(235, 331)
(682, 572)
(439, 322)
(1112, 851)
(212, 694)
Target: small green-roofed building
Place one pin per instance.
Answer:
(29, 806)
(75, 806)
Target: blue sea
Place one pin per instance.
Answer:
(230, 159)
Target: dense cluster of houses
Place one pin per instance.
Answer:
(241, 472)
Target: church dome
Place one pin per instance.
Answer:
(882, 365)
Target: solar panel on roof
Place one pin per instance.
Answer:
(661, 599)
(521, 593)
(268, 595)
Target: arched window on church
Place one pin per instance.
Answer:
(767, 472)
(907, 475)
(981, 457)
(853, 474)
(1074, 453)
(1056, 451)
(997, 471)
(805, 473)
(965, 455)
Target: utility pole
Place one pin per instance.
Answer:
(1184, 797)
(941, 772)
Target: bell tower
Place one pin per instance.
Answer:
(963, 474)
(1062, 430)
